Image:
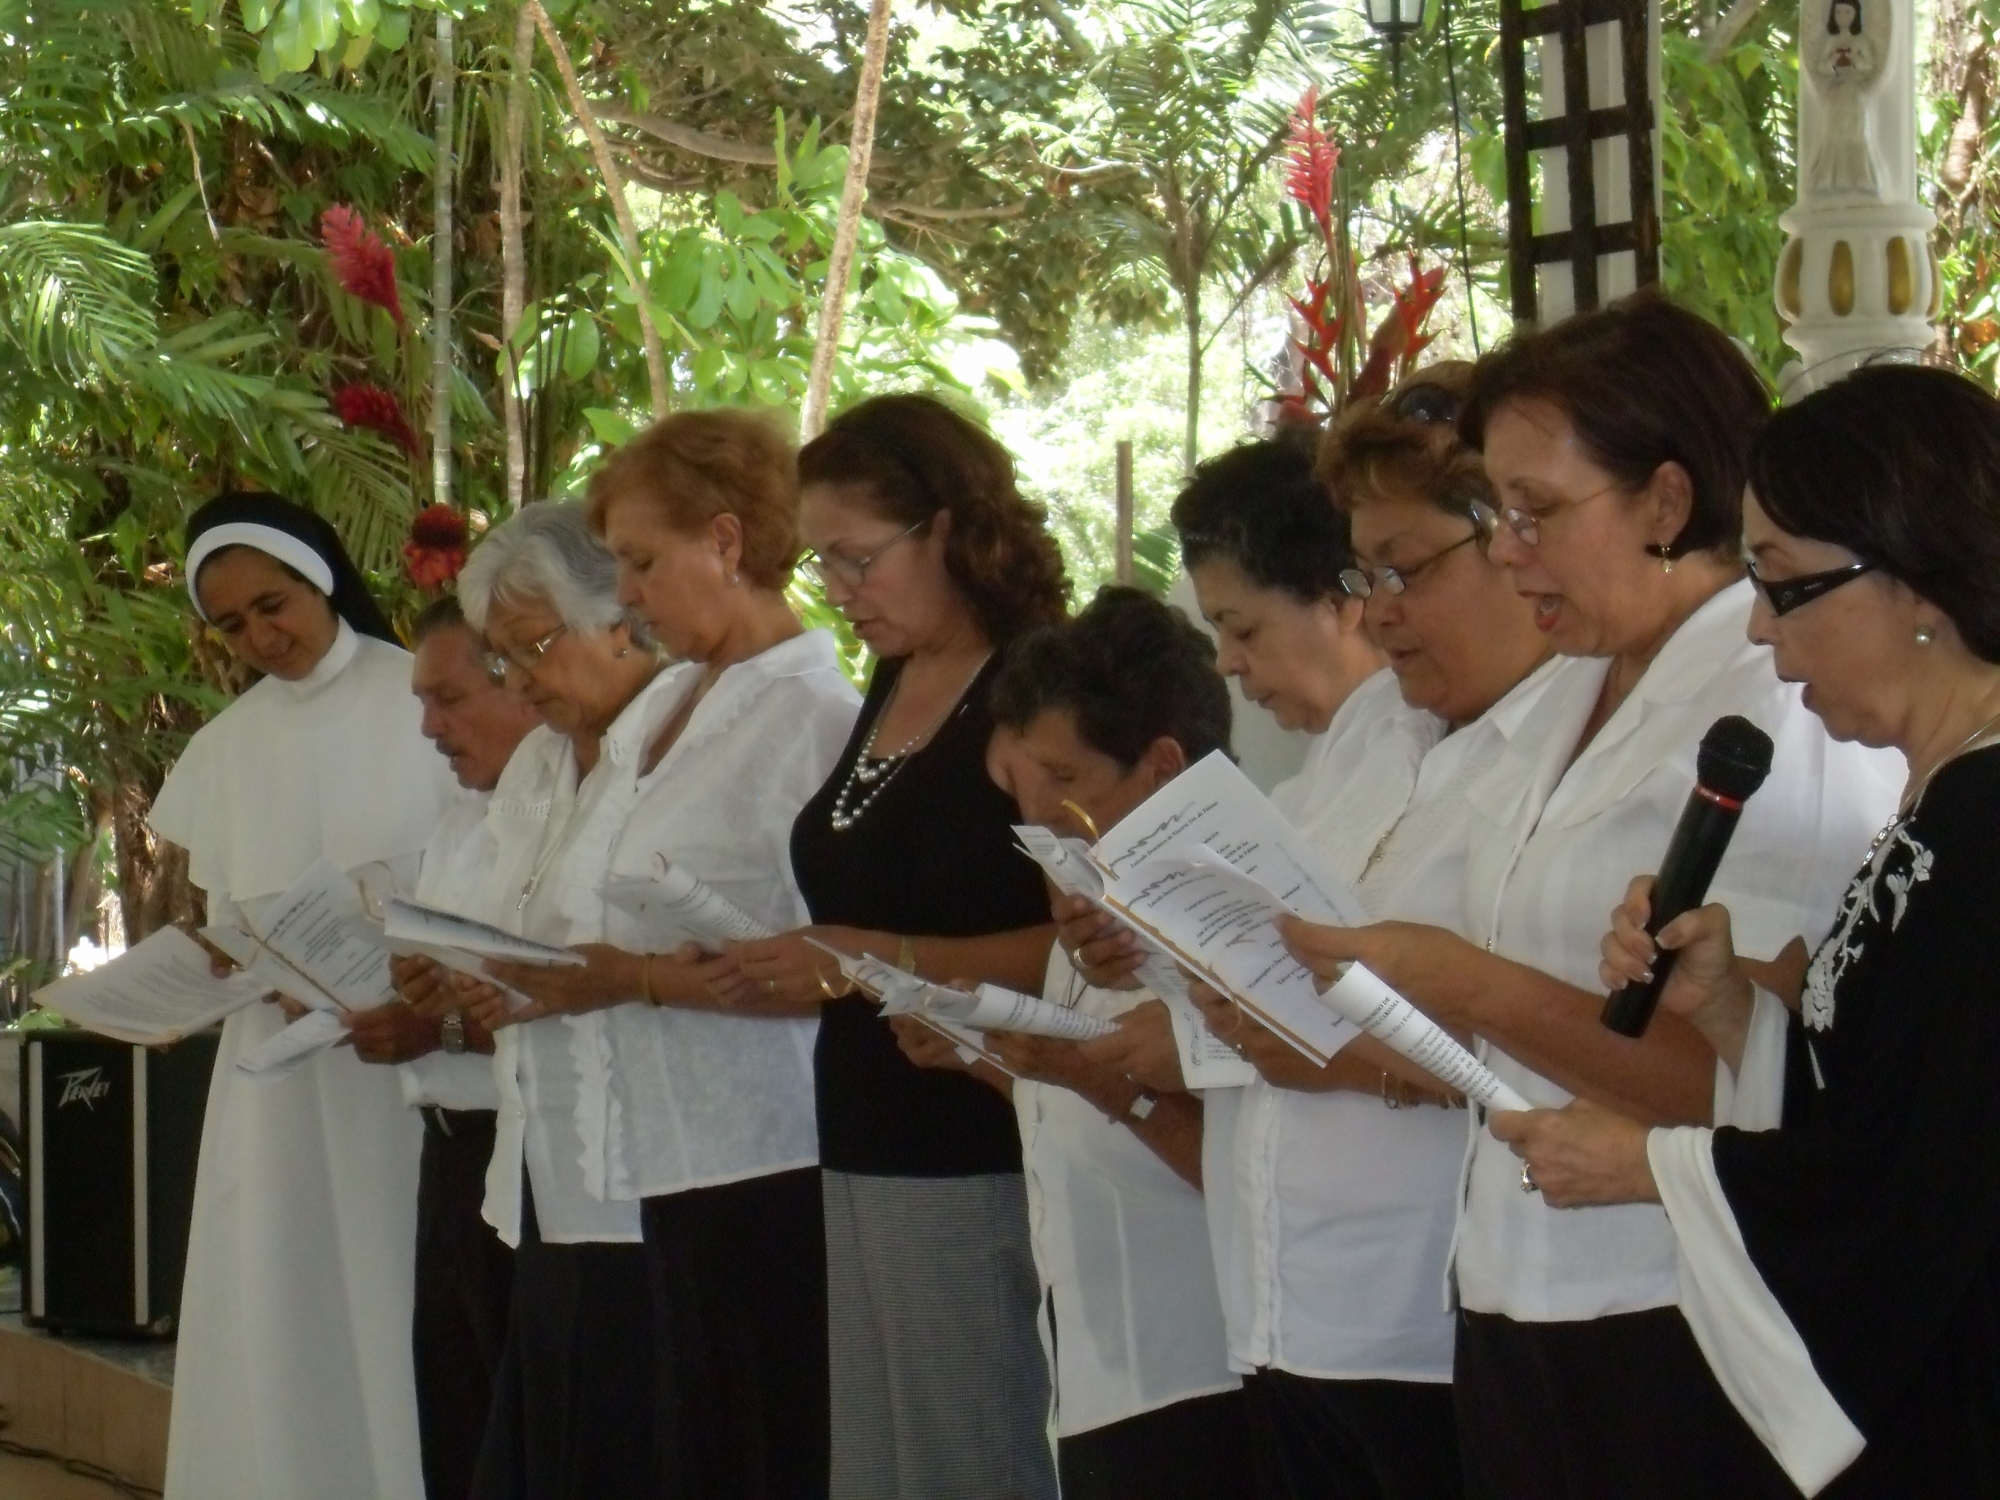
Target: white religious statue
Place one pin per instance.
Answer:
(1844, 65)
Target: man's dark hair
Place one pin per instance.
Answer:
(1129, 669)
(440, 614)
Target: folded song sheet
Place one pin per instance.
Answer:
(322, 930)
(294, 1047)
(411, 926)
(1203, 866)
(904, 994)
(678, 906)
(159, 990)
(1207, 1062)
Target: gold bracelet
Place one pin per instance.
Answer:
(646, 978)
(906, 954)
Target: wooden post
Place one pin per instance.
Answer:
(840, 260)
(1124, 552)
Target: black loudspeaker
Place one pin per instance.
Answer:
(111, 1132)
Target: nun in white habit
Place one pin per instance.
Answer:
(294, 1371)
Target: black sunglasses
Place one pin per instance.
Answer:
(1786, 595)
(1426, 401)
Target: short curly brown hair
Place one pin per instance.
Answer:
(915, 456)
(696, 465)
(1404, 445)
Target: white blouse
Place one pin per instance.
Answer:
(534, 1064)
(673, 1098)
(1331, 1214)
(456, 865)
(1118, 1239)
(1554, 845)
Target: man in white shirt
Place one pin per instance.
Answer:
(464, 1272)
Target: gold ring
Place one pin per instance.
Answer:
(770, 986)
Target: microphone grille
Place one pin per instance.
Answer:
(1734, 758)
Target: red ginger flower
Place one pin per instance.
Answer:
(1311, 163)
(376, 409)
(1399, 338)
(436, 548)
(361, 262)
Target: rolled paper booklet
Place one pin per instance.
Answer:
(993, 1008)
(677, 906)
(1364, 999)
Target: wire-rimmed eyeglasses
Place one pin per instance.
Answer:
(830, 567)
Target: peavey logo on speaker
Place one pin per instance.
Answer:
(85, 1086)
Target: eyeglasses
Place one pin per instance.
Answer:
(824, 567)
(526, 659)
(1787, 594)
(1527, 524)
(1361, 583)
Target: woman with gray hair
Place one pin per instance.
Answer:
(573, 1399)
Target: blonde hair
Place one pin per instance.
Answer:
(697, 465)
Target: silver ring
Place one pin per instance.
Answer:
(1528, 1183)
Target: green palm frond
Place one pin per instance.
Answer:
(73, 301)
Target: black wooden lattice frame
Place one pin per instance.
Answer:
(1575, 131)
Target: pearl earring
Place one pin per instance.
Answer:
(1665, 556)
(1925, 635)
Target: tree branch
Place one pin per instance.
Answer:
(840, 260)
(614, 185)
(513, 256)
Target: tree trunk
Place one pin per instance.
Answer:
(513, 256)
(1191, 439)
(614, 186)
(853, 193)
(443, 91)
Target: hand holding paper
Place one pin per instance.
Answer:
(159, 990)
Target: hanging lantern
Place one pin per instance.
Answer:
(1396, 19)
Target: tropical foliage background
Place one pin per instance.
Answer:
(1078, 224)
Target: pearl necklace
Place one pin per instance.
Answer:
(874, 772)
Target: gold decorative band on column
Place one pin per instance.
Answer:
(1840, 279)
(1788, 280)
(1902, 276)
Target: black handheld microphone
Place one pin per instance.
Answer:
(1734, 759)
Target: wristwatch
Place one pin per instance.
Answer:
(451, 1032)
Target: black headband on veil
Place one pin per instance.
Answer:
(294, 536)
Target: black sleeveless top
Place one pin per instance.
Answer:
(933, 856)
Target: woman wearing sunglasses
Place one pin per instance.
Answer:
(1332, 1191)
(1838, 1229)
(1617, 445)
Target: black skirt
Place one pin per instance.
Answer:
(739, 1315)
(1622, 1406)
(573, 1404)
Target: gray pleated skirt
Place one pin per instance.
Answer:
(939, 1387)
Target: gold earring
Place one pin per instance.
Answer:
(1665, 555)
